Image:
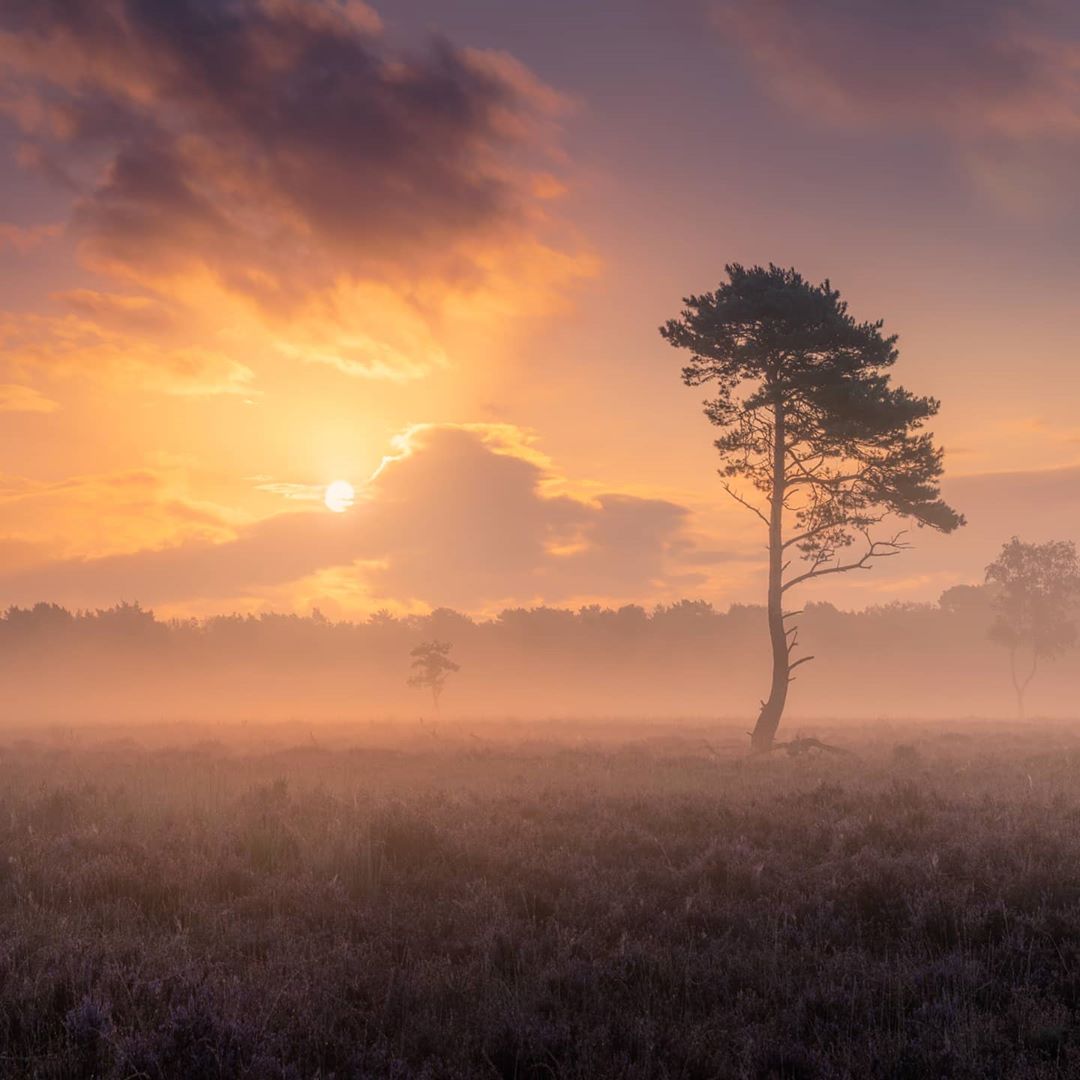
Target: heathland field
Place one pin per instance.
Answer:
(539, 901)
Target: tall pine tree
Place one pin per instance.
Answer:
(815, 441)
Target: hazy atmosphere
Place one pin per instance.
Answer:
(539, 540)
(251, 249)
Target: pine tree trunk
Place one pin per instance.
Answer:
(772, 709)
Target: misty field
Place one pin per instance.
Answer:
(533, 902)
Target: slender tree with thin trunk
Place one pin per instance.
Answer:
(432, 666)
(816, 442)
(1036, 591)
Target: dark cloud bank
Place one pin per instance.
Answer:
(271, 140)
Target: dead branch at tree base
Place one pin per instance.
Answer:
(803, 745)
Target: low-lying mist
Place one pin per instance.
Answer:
(685, 659)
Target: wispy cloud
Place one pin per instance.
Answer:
(23, 238)
(997, 82)
(17, 398)
(972, 68)
(290, 490)
(75, 346)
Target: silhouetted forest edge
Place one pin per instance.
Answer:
(684, 659)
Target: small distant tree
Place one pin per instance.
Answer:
(432, 666)
(815, 441)
(1037, 586)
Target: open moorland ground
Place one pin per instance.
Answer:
(539, 901)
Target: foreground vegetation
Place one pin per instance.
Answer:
(520, 903)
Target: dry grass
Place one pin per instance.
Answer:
(523, 902)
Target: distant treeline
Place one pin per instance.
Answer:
(682, 659)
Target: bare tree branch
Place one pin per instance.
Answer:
(744, 502)
(877, 549)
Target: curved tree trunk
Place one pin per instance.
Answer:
(772, 709)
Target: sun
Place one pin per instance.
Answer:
(339, 496)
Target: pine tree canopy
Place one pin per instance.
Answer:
(780, 350)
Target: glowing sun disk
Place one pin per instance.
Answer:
(339, 496)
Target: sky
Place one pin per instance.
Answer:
(252, 247)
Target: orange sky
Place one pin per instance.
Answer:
(251, 249)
